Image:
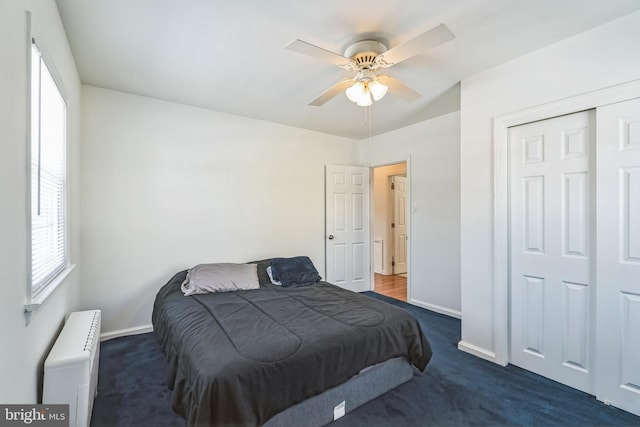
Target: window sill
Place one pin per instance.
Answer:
(37, 302)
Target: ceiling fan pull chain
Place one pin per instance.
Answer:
(369, 108)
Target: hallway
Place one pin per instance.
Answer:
(393, 286)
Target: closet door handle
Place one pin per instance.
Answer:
(331, 237)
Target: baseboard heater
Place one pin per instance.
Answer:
(71, 369)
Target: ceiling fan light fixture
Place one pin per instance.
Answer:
(362, 91)
(377, 89)
(356, 92)
(366, 100)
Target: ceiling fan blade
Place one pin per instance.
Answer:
(418, 44)
(334, 90)
(399, 89)
(316, 52)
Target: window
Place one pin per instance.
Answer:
(48, 121)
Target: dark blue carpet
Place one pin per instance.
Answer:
(457, 389)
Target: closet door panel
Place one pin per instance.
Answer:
(618, 255)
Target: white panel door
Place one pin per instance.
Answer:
(551, 216)
(618, 255)
(347, 227)
(400, 224)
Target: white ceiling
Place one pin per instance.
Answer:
(229, 55)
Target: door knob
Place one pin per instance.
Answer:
(330, 236)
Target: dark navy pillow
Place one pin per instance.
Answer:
(263, 277)
(295, 271)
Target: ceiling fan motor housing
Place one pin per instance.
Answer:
(365, 52)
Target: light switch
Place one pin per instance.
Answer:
(414, 208)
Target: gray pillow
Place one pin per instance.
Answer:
(221, 277)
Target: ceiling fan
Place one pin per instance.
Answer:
(365, 58)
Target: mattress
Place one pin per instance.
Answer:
(240, 358)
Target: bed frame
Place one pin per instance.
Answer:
(370, 383)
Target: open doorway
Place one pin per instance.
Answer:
(389, 230)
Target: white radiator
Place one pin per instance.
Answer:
(71, 369)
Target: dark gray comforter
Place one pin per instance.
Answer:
(239, 358)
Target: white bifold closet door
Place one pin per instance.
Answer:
(618, 256)
(551, 224)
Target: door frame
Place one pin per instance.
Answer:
(501, 125)
(372, 166)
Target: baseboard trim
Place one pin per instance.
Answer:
(436, 308)
(479, 352)
(125, 332)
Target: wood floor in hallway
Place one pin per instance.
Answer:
(393, 286)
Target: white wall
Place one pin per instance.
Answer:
(23, 348)
(382, 210)
(166, 186)
(433, 150)
(596, 59)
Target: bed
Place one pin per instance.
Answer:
(281, 355)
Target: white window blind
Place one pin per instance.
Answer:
(48, 175)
